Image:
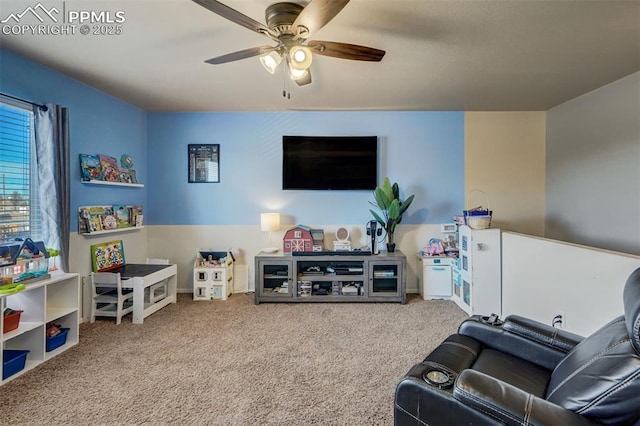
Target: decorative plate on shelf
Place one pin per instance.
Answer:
(126, 161)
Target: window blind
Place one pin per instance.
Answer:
(19, 208)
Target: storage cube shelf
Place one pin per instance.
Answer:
(212, 280)
(55, 299)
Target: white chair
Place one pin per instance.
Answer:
(159, 290)
(109, 299)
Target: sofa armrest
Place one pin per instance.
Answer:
(545, 334)
(510, 405)
(527, 339)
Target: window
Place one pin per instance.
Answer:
(19, 208)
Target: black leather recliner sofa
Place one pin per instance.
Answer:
(521, 372)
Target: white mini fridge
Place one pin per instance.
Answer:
(435, 280)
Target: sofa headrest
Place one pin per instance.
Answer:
(631, 297)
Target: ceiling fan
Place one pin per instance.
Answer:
(290, 25)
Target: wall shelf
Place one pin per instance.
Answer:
(102, 182)
(110, 231)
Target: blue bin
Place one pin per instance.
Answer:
(57, 340)
(13, 361)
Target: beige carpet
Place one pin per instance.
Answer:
(234, 363)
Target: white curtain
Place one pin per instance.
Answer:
(51, 131)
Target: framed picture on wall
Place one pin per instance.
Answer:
(204, 163)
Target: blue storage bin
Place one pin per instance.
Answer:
(12, 362)
(58, 340)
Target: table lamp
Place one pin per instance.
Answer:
(269, 222)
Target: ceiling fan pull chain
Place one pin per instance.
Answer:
(285, 84)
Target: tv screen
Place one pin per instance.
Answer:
(330, 162)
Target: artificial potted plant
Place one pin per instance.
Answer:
(387, 200)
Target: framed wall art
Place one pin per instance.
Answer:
(204, 163)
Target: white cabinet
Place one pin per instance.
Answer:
(435, 279)
(479, 284)
(56, 300)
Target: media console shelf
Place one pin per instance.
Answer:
(331, 278)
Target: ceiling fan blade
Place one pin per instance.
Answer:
(304, 80)
(346, 51)
(235, 16)
(241, 54)
(316, 15)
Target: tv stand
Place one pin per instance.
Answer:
(332, 253)
(348, 277)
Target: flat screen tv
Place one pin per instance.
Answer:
(330, 162)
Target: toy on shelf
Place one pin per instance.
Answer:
(23, 260)
(213, 274)
(53, 253)
(298, 239)
(435, 247)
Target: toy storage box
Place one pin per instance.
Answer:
(213, 275)
(57, 341)
(11, 322)
(13, 362)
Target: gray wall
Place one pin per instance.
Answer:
(593, 168)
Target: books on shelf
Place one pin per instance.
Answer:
(105, 218)
(110, 170)
(90, 218)
(100, 167)
(128, 176)
(123, 216)
(90, 167)
(136, 218)
(109, 222)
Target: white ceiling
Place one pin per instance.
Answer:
(469, 55)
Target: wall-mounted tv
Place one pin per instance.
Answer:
(330, 162)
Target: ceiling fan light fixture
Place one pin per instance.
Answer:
(297, 74)
(290, 25)
(270, 61)
(300, 57)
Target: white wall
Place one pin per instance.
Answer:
(593, 168)
(504, 157)
(179, 243)
(543, 277)
(135, 245)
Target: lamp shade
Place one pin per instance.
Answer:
(269, 222)
(270, 61)
(300, 57)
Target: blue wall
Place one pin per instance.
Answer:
(422, 151)
(99, 124)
